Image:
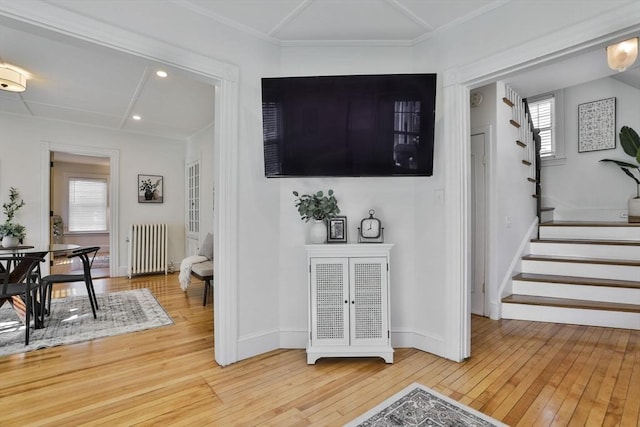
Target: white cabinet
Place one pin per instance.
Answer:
(349, 301)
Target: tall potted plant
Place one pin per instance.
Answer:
(630, 142)
(10, 232)
(319, 208)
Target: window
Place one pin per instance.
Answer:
(272, 134)
(88, 204)
(543, 116)
(406, 130)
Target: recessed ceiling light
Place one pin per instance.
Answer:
(136, 117)
(161, 73)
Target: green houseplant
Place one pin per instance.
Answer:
(630, 142)
(10, 232)
(318, 207)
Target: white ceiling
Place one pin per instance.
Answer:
(75, 81)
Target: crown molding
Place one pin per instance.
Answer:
(45, 15)
(186, 4)
(459, 21)
(346, 43)
(540, 50)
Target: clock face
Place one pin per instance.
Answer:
(370, 228)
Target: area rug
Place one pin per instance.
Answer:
(418, 405)
(71, 320)
(100, 261)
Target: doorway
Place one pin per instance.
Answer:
(75, 154)
(478, 164)
(79, 209)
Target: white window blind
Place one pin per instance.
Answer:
(543, 116)
(87, 204)
(272, 134)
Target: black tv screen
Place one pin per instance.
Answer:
(358, 125)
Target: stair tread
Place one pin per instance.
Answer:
(582, 260)
(591, 224)
(573, 280)
(589, 241)
(570, 303)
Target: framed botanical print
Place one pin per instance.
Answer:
(150, 189)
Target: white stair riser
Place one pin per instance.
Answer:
(546, 216)
(586, 250)
(601, 271)
(591, 233)
(536, 313)
(579, 292)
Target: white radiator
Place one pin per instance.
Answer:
(147, 249)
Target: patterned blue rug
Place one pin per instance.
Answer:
(71, 320)
(418, 405)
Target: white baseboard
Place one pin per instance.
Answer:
(294, 339)
(297, 339)
(253, 345)
(418, 340)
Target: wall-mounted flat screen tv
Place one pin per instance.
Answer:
(356, 125)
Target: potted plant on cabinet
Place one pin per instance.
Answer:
(630, 142)
(319, 208)
(10, 232)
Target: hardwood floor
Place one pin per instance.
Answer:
(522, 373)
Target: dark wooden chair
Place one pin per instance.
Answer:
(21, 286)
(204, 272)
(86, 255)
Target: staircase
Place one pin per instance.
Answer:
(580, 273)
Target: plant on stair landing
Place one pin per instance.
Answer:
(630, 142)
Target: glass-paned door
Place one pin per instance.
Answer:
(193, 206)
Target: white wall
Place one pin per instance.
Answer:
(483, 119)
(407, 207)
(515, 209)
(23, 141)
(582, 188)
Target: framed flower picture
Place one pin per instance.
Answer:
(150, 189)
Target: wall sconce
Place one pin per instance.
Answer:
(621, 56)
(12, 80)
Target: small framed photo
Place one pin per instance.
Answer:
(150, 189)
(337, 230)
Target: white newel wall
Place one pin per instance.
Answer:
(582, 188)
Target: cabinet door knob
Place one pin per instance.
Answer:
(346, 302)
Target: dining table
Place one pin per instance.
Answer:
(16, 273)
